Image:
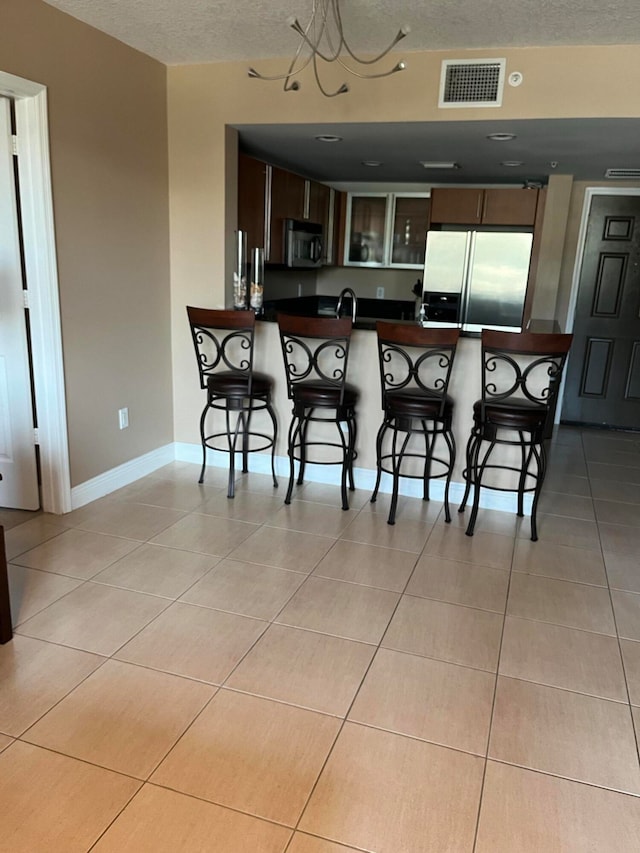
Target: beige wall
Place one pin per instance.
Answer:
(108, 143)
(203, 99)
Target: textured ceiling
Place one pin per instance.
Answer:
(191, 31)
(188, 31)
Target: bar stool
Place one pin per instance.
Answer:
(415, 367)
(223, 342)
(521, 375)
(316, 352)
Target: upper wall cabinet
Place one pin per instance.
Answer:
(386, 230)
(495, 206)
(268, 195)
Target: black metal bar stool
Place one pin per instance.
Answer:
(316, 352)
(415, 368)
(223, 342)
(521, 375)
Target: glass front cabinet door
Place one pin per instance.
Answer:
(386, 230)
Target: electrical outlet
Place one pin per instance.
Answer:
(123, 418)
(380, 293)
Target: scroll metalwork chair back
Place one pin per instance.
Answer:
(415, 369)
(521, 374)
(223, 342)
(316, 353)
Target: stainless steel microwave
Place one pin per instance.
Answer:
(303, 243)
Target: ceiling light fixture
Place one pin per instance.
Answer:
(512, 163)
(371, 163)
(328, 137)
(323, 38)
(439, 164)
(501, 137)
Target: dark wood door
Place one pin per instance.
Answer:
(603, 373)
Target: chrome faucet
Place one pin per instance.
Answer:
(347, 291)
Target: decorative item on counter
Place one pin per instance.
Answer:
(256, 298)
(240, 274)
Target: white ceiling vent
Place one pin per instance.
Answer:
(623, 174)
(471, 83)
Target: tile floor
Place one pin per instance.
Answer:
(191, 673)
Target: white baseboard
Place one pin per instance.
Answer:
(365, 478)
(121, 476)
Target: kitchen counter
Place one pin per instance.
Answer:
(369, 310)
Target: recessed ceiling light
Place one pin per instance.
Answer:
(372, 163)
(501, 137)
(327, 137)
(512, 163)
(439, 164)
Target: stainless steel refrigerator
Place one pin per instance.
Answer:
(476, 279)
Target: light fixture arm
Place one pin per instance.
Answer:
(316, 37)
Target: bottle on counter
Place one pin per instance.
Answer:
(256, 293)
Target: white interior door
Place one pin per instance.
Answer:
(19, 486)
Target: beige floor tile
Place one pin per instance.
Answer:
(343, 609)
(567, 734)
(77, 553)
(251, 754)
(304, 668)
(189, 472)
(259, 484)
(568, 484)
(195, 642)
(131, 520)
(311, 844)
(161, 821)
(631, 658)
(157, 570)
(571, 506)
(409, 510)
(31, 591)
(618, 473)
(623, 571)
(563, 657)
(13, 517)
(172, 494)
(206, 534)
(34, 676)
(323, 493)
(95, 618)
(245, 588)
(427, 699)
(488, 521)
(372, 529)
(245, 506)
(5, 740)
(283, 549)
(122, 717)
(316, 518)
(574, 605)
(609, 490)
(387, 793)
(32, 533)
(370, 565)
(614, 453)
(446, 632)
(559, 561)
(564, 531)
(620, 539)
(460, 583)
(627, 609)
(615, 512)
(531, 812)
(568, 463)
(52, 802)
(483, 549)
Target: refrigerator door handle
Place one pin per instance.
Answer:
(468, 264)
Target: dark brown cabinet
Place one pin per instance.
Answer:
(477, 206)
(268, 195)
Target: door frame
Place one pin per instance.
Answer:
(34, 170)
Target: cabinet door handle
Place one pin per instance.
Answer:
(479, 206)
